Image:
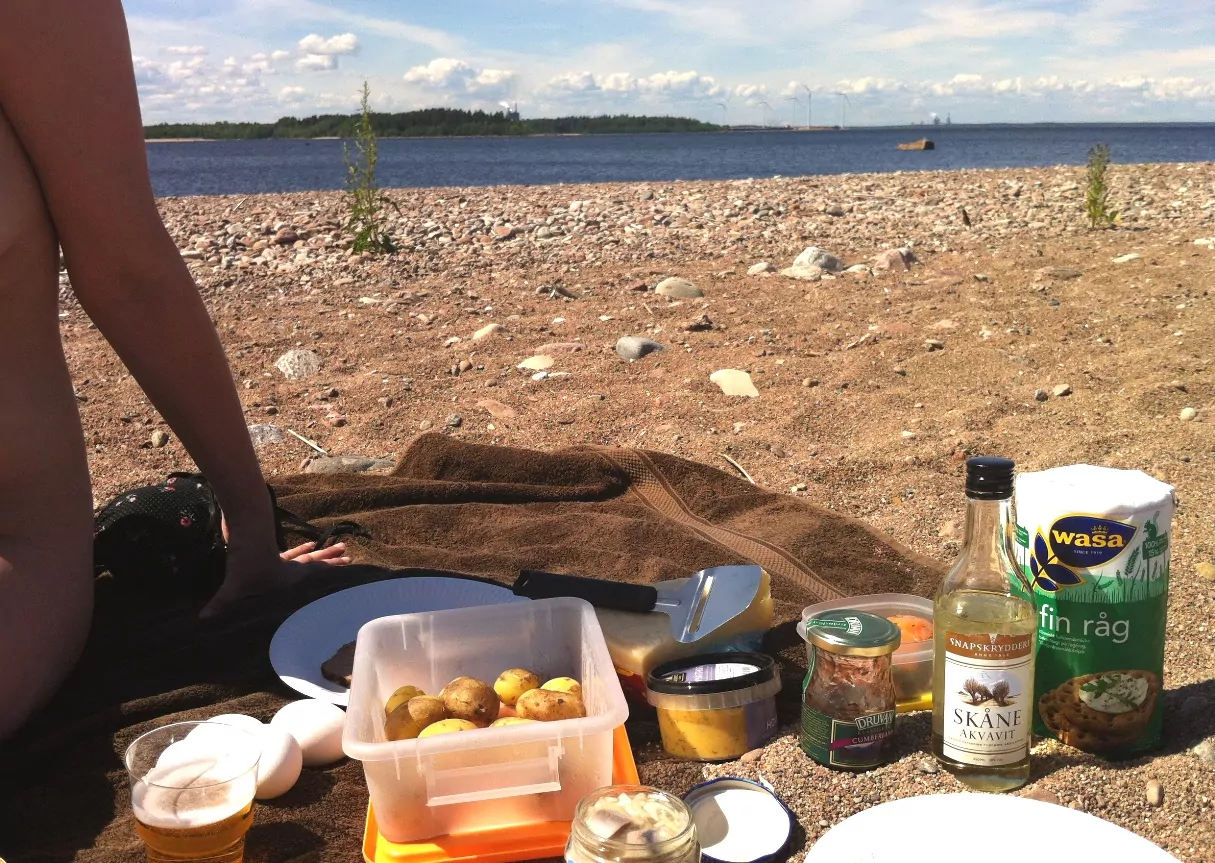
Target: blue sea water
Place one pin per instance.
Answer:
(245, 167)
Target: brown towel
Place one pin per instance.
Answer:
(627, 515)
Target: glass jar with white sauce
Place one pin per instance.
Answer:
(632, 824)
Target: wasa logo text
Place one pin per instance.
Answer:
(1076, 542)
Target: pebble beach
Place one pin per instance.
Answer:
(938, 315)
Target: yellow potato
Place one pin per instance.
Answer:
(510, 720)
(544, 705)
(513, 683)
(472, 700)
(411, 718)
(564, 684)
(400, 697)
(447, 726)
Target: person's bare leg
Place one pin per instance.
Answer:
(46, 554)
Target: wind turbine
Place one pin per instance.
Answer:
(844, 110)
(809, 102)
(795, 101)
(725, 113)
(766, 108)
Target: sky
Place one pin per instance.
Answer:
(735, 61)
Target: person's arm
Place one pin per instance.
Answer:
(67, 84)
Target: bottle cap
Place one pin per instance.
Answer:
(851, 633)
(989, 477)
(739, 821)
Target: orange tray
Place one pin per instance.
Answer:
(506, 845)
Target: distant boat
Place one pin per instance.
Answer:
(922, 144)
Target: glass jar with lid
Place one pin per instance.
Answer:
(848, 700)
(632, 824)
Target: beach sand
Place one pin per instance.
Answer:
(856, 409)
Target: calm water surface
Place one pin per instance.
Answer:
(244, 167)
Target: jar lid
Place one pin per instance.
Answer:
(852, 633)
(739, 821)
(711, 673)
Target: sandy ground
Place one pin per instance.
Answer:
(854, 410)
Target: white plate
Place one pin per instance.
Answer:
(948, 828)
(315, 632)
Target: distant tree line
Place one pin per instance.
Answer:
(430, 123)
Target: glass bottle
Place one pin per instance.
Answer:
(985, 640)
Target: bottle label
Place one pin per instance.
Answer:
(989, 689)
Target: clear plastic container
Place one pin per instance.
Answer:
(715, 707)
(912, 667)
(494, 777)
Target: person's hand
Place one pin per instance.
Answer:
(334, 555)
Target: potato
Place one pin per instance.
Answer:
(544, 705)
(472, 700)
(510, 720)
(513, 683)
(400, 697)
(447, 726)
(506, 712)
(410, 719)
(564, 684)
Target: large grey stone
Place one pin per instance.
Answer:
(677, 288)
(348, 464)
(634, 348)
(816, 257)
(298, 364)
(264, 433)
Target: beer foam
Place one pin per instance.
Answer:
(194, 793)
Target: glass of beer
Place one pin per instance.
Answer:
(192, 787)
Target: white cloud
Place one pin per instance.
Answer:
(291, 94)
(752, 94)
(279, 55)
(669, 85)
(448, 75)
(346, 43)
(192, 50)
(316, 63)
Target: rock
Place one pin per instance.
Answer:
(348, 464)
(298, 364)
(760, 268)
(264, 433)
(697, 325)
(928, 765)
(836, 211)
(1057, 273)
(778, 451)
(561, 348)
(1062, 391)
(944, 324)
(1188, 414)
(933, 345)
(810, 382)
(486, 331)
(950, 531)
(1206, 570)
(1154, 792)
(543, 232)
(538, 363)
(816, 257)
(634, 348)
(425, 425)
(454, 421)
(922, 144)
(900, 371)
(384, 401)
(286, 237)
(465, 365)
(801, 486)
(677, 288)
(803, 274)
(1205, 751)
(891, 259)
(858, 268)
(734, 382)
(336, 421)
(160, 438)
(1041, 395)
(497, 410)
(752, 756)
(503, 232)
(1041, 794)
(1122, 259)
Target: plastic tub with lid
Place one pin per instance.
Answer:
(715, 707)
(490, 778)
(912, 665)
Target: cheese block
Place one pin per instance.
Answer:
(639, 642)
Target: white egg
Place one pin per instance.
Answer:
(239, 720)
(279, 768)
(316, 726)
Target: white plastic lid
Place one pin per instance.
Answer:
(738, 821)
